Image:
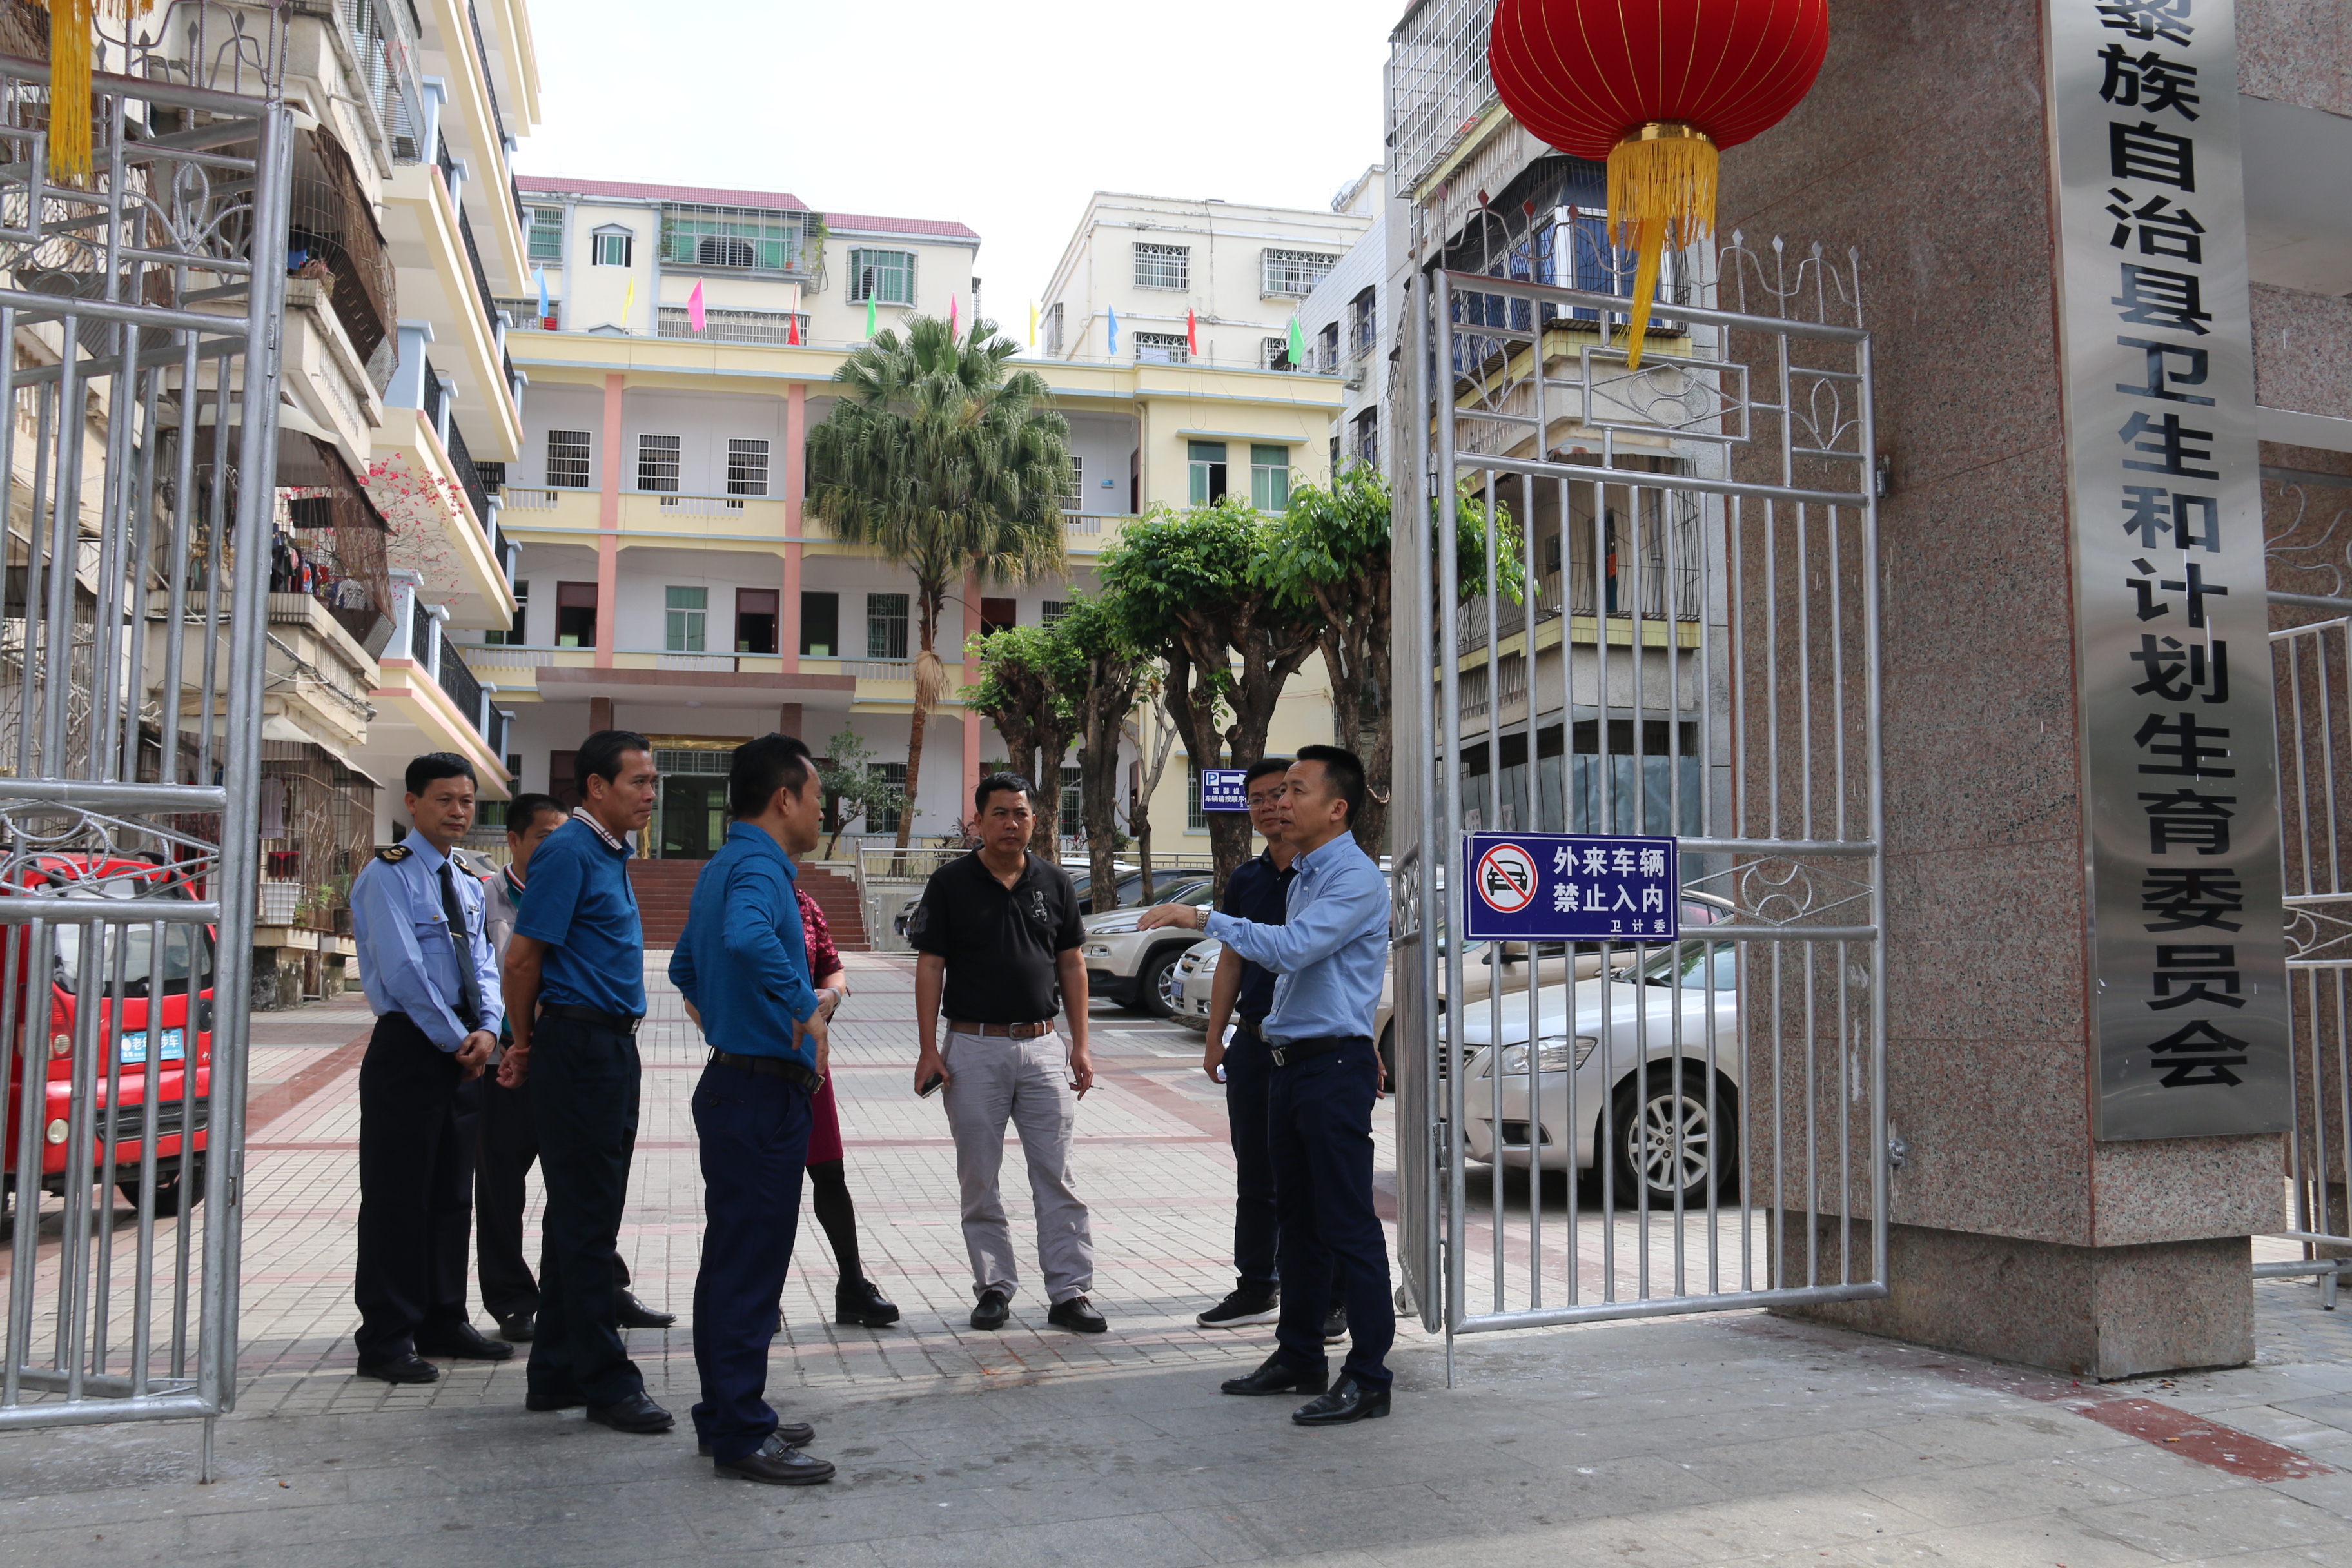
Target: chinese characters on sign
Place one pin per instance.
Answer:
(1220, 789)
(2188, 984)
(1574, 887)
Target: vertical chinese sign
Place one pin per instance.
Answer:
(2189, 1002)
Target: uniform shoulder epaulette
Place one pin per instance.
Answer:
(394, 854)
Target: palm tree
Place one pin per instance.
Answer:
(944, 463)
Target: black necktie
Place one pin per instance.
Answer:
(469, 985)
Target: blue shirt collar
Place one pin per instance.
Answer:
(1307, 861)
(426, 856)
(763, 842)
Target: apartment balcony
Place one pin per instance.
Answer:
(722, 681)
(319, 683)
(424, 478)
(429, 699)
(445, 288)
(1090, 533)
(324, 375)
(475, 123)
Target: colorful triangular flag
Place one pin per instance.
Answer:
(543, 311)
(1032, 323)
(1114, 332)
(694, 316)
(870, 318)
(951, 315)
(629, 305)
(1192, 334)
(1297, 345)
(793, 330)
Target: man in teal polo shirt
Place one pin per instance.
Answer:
(575, 990)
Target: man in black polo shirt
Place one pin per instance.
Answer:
(1243, 993)
(998, 931)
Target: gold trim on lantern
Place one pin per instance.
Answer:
(1661, 186)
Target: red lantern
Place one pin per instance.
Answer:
(1657, 88)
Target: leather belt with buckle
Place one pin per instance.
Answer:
(619, 1022)
(1290, 1051)
(770, 1067)
(1015, 1031)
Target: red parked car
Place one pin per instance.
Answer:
(155, 1039)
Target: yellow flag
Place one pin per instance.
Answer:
(1032, 323)
(629, 306)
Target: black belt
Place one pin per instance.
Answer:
(1290, 1051)
(770, 1067)
(619, 1022)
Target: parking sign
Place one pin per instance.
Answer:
(1570, 886)
(1221, 790)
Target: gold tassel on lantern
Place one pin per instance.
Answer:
(71, 25)
(1661, 190)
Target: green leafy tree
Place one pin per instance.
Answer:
(1331, 563)
(945, 462)
(1186, 587)
(1110, 672)
(846, 773)
(1028, 678)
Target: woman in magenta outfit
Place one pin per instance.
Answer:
(855, 1299)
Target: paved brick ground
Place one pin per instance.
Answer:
(1731, 1438)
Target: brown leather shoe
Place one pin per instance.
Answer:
(777, 1463)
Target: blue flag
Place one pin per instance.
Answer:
(543, 311)
(1114, 332)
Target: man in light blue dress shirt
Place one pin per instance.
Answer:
(432, 980)
(1329, 956)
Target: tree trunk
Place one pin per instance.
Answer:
(928, 673)
(1354, 641)
(1102, 712)
(1053, 746)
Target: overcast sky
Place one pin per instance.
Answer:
(1003, 115)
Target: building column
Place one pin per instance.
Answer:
(789, 721)
(608, 527)
(788, 605)
(600, 714)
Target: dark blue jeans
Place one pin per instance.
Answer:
(1319, 1116)
(754, 1132)
(583, 1105)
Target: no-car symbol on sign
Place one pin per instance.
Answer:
(1507, 878)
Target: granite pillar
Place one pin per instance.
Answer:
(2015, 1233)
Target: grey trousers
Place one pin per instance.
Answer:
(992, 1079)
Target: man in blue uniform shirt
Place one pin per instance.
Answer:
(576, 991)
(432, 981)
(1330, 953)
(743, 966)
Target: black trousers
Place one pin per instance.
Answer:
(584, 1101)
(754, 1132)
(417, 1182)
(1321, 1116)
(508, 1148)
(1249, 1081)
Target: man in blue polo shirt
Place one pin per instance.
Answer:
(743, 966)
(575, 990)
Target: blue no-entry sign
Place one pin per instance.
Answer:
(1221, 790)
(1569, 887)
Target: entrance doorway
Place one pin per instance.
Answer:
(690, 819)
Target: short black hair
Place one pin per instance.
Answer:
(1263, 766)
(599, 756)
(434, 766)
(1344, 772)
(1001, 780)
(524, 811)
(761, 768)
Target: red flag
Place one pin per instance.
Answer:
(793, 330)
(1192, 334)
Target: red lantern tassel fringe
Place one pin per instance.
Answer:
(1661, 190)
(71, 24)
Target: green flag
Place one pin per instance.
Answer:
(869, 318)
(1297, 345)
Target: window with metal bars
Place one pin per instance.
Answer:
(1071, 808)
(567, 459)
(1274, 354)
(1163, 266)
(732, 237)
(1293, 274)
(735, 326)
(893, 775)
(747, 467)
(546, 234)
(1161, 347)
(1195, 819)
(658, 462)
(885, 276)
(1075, 500)
(1052, 610)
(886, 625)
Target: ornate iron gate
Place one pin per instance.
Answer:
(1692, 649)
(142, 315)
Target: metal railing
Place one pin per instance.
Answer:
(459, 683)
(483, 298)
(1439, 86)
(489, 88)
(422, 624)
(469, 478)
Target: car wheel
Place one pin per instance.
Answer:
(1668, 1141)
(1156, 989)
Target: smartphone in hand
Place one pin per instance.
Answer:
(931, 1086)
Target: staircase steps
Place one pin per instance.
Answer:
(664, 890)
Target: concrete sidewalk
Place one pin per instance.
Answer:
(1733, 1437)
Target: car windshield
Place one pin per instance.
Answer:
(1693, 959)
(185, 947)
(1165, 890)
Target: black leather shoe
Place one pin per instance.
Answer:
(637, 1413)
(518, 1329)
(1277, 1376)
(1335, 1324)
(401, 1369)
(636, 1314)
(860, 1304)
(777, 1463)
(1349, 1401)
(545, 1401)
(991, 1310)
(464, 1342)
(1078, 1315)
(792, 1434)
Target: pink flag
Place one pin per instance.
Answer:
(951, 315)
(1192, 334)
(694, 316)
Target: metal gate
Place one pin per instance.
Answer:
(142, 312)
(1692, 649)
